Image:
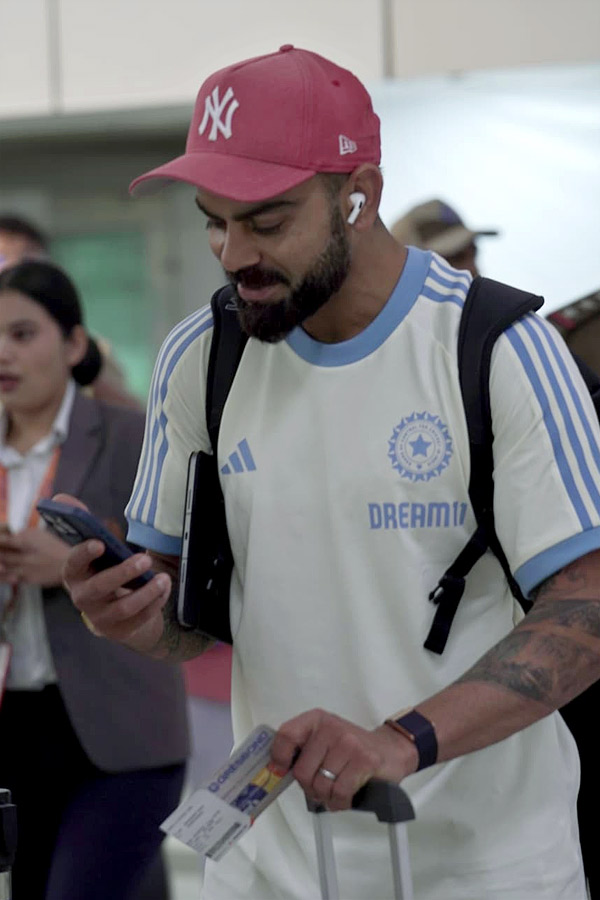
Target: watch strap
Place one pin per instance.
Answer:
(421, 732)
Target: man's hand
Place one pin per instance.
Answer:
(131, 617)
(318, 740)
(33, 556)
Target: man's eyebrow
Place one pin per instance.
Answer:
(269, 206)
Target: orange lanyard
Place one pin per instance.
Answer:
(44, 491)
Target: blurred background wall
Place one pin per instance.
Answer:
(492, 105)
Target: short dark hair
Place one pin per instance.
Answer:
(22, 228)
(333, 182)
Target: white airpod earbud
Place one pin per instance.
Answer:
(358, 200)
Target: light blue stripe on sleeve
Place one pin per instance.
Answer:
(183, 346)
(439, 265)
(550, 561)
(174, 347)
(591, 431)
(457, 297)
(551, 425)
(538, 330)
(144, 461)
(448, 281)
(136, 504)
(450, 278)
(152, 539)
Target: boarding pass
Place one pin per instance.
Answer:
(215, 816)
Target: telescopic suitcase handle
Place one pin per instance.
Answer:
(391, 804)
(8, 842)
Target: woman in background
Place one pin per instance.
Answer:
(92, 736)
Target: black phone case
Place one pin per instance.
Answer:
(206, 563)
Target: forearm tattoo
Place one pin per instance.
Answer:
(178, 643)
(554, 653)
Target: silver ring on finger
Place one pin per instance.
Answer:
(331, 776)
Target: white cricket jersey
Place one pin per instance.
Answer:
(345, 471)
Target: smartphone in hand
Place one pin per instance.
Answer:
(74, 525)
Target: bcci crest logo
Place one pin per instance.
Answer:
(420, 447)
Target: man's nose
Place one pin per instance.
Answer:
(237, 249)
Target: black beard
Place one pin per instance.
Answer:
(271, 322)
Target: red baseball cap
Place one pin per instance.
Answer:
(264, 125)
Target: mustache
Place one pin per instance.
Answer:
(255, 277)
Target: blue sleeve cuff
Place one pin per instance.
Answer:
(550, 561)
(151, 539)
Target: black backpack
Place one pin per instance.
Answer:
(490, 308)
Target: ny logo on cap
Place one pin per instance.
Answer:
(213, 109)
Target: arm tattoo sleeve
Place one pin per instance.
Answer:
(554, 653)
(176, 643)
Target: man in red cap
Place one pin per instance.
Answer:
(344, 462)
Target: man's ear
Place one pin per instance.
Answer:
(362, 196)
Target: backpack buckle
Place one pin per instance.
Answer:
(448, 587)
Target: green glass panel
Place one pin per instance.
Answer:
(109, 269)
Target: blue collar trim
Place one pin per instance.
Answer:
(401, 301)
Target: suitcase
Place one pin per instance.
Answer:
(8, 842)
(390, 804)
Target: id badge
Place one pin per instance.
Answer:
(5, 655)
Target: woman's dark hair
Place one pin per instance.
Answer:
(49, 286)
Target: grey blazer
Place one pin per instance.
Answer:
(129, 712)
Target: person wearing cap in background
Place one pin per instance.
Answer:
(351, 499)
(20, 240)
(434, 225)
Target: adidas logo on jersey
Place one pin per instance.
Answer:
(241, 460)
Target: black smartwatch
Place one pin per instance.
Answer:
(421, 732)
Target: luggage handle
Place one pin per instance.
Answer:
(391, 804)
(387, 800)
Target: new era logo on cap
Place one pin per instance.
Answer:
(346, 145)
(265, 125)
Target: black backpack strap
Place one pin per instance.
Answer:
(227, 346)
(209, 578)
(592, 381)
(490, 308)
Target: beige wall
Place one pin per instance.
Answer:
(106, 54)
(159, 51)
(24, 58)
(441, 36)
(71, 56)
